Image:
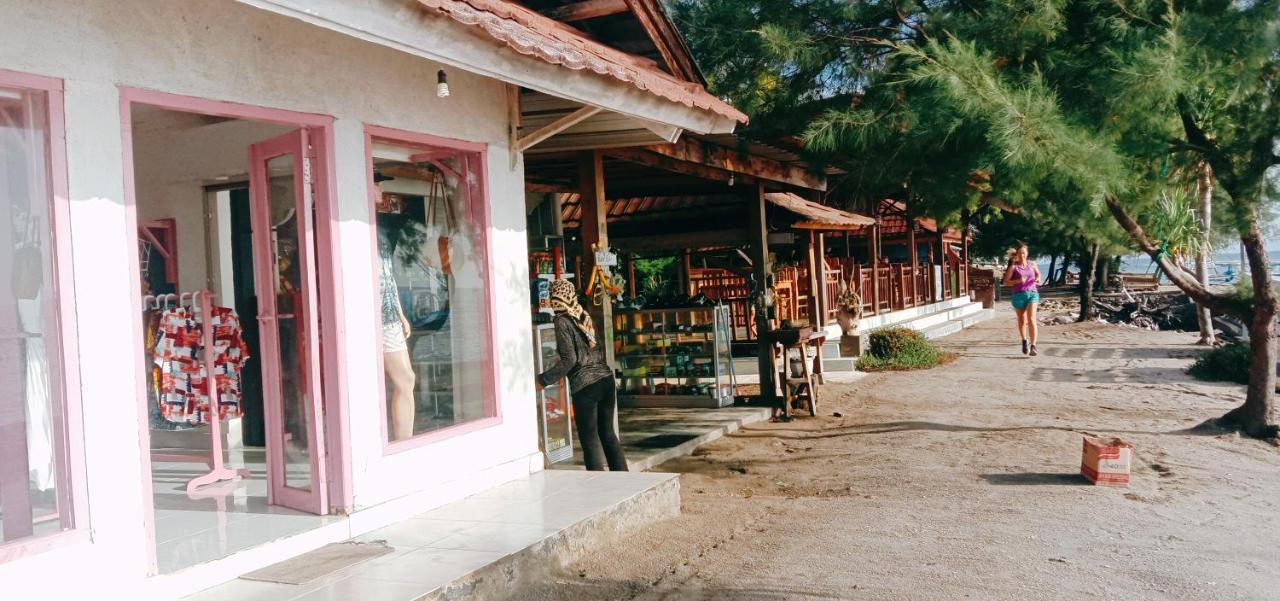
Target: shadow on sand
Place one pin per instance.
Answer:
(1036, 479)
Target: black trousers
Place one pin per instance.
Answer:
(593, 409)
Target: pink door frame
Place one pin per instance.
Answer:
(475, 179)
(69, 456)
(330, 281)
(314, 499)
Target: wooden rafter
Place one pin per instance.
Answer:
(666, 38)
(652, 159)
(690, 150)
(587, 9)
(557, 126)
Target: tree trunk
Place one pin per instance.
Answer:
(1219, 303)
(1256, 416)
(1102, 276)
(1053, 266)
(1204, 194)
(1087, 273)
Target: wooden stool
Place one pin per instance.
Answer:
(799, 390)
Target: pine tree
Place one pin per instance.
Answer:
(1068, 109)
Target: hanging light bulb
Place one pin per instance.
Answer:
(442, 85)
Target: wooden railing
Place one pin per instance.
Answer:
(898, 287)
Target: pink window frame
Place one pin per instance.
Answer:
(68, 429)
(334, 372)
(481, 212)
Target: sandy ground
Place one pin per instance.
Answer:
(962, 482)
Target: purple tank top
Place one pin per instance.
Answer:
(1027, 274)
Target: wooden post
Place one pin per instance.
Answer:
(820, 256)
(964, 251)
(811, 265)
(686, 272)
(631, 275)
(873, 250)
(942, 260)
(595, 233)
(915, 259)
(758, 241)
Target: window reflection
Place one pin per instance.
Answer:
(32, 473)
(430, 288)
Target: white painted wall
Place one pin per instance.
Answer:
(225, 50)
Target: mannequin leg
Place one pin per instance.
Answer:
(400, 372)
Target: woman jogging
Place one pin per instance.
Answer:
(1022, 275)
(580, 357)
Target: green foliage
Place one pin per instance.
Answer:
(1227, 363)
(900, 349)
(1175, 226)
(1058, 104)
(655, 275)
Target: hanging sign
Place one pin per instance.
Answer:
(606, 258)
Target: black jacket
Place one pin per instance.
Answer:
(575, 358)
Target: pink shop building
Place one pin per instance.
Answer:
(287, 185)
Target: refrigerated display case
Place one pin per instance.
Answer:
(674, 357)
(555, 421)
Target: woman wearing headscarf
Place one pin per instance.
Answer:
(580, 357)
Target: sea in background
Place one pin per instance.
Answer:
(1224, 266)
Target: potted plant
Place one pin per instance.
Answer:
(848, 310)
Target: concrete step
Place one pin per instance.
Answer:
(899, 317)
(978, 317)
(964, 311)
(945, 328)
(835, 364)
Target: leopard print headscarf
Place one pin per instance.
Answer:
(564, 299)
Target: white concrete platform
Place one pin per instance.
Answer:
(652, 436)
(487, 545)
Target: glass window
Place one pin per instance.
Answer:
(33, 496)
(431, 285)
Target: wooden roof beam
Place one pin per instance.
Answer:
(587, 9)
(557, 126)
(696, 152)
(668, 163)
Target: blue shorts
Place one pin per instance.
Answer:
(1026, 297)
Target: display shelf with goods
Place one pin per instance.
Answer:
(544, 268)
(555, 419)
(674, 357)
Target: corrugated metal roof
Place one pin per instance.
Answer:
(532, 34)
(818, 216)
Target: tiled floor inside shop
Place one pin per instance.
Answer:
(442, 546)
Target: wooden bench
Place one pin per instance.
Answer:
(1138, 281)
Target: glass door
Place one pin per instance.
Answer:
(280, 186)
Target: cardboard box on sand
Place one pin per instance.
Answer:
(1106, 462)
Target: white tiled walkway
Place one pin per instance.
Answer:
(440, 546)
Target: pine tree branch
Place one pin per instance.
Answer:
(1217, 303)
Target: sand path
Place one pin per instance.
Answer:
(961, 482)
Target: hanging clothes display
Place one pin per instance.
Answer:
(178, 354)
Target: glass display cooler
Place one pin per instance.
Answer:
(674, 357)
(555, 422)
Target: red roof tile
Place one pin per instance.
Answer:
(532, 34)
